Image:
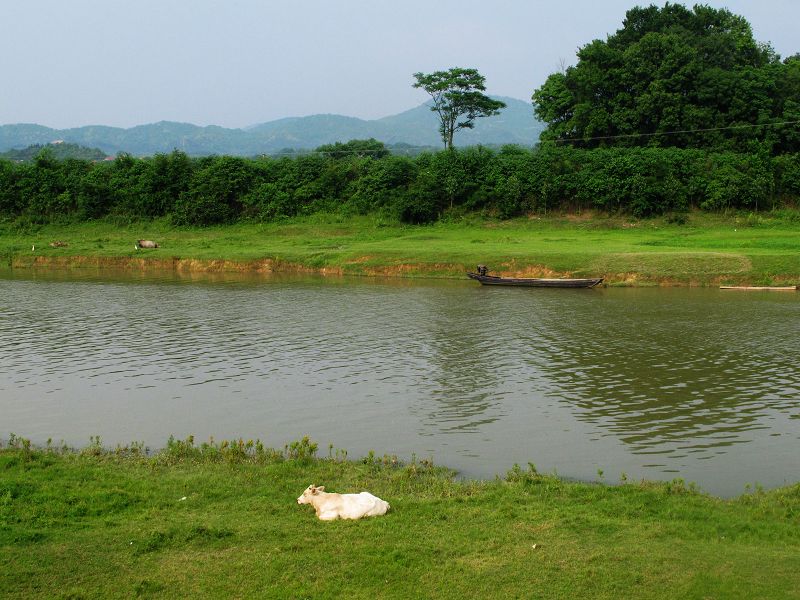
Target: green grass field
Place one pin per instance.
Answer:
(708, 249)
(222, 522)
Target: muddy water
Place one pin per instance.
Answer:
(656, 383)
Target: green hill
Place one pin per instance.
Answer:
(416, 127)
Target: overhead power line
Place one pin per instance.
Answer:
(572, 140)
(633, 135)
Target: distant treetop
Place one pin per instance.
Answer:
(57, 150)
(371, 147)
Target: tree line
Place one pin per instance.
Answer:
(504, 183)
(59, 150)
(680, 77)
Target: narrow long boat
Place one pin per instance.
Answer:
(535, 282)
(762, 288)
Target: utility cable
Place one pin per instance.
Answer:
(631, 135)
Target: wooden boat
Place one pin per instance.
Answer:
(791, 288)
(535, 282)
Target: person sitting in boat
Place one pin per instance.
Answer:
(482, 270)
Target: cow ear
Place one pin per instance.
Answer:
(321, 488)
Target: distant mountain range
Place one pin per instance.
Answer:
(416, 127)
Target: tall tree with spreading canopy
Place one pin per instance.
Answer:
(668, 73)
(458, 99)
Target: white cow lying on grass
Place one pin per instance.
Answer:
(342, 506)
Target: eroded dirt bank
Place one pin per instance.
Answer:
(358, 268)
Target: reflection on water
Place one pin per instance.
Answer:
(461, 391)
(655, 382)
(678, 373)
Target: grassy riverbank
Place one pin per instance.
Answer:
(707, 249)
(221, 521)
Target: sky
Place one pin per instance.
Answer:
(235, 63)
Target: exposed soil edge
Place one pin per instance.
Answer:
(424, 270)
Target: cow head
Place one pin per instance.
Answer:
(309, 492)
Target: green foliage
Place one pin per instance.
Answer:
(458, 99)
(371, 148)
(268, 202)
(59, 151)
(742, 183)
(666, 74)
(94, 193)
(531, 476)
(167, 177)
(303, 450)
(504, 183)
(787, 176)
(384, 183)
(227, 451)
(215, 194)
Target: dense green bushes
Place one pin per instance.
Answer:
(505, 183)
(676, 77)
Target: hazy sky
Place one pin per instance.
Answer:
(67, 63)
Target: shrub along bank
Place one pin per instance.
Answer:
(510, 182)
(221, 520)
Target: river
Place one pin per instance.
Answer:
(656, 383)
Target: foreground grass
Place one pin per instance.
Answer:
(221, 520)
(706, 250)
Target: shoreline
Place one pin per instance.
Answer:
(268, 266)
(711, 250)
(255, 450)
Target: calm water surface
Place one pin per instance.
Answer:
(656, 383)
